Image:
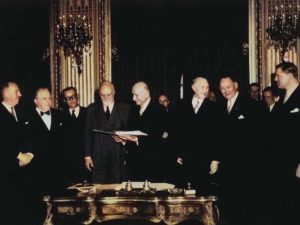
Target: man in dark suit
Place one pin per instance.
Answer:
(104, 154)
(13, 154)
(146, 156)
(288, 155)
(73, 136)
(196, 137)
(46, 132)
(240, 147)
(269, 100)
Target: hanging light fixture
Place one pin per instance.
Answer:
(283, 26)
(73, 34)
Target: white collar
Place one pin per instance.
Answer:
(7, 106)
(233, 99)
(144, 106)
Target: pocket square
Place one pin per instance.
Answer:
(26, 123)
(60, 124)
(241, 117)
(295, 110)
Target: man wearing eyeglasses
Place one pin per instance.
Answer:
(74, 123)
(104, 153)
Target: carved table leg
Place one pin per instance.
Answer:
(48, 219)
(210, 214)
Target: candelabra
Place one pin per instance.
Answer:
(73, 35)
(283, 27)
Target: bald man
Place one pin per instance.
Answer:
(195, 137)
(104, 154)
(145, 155)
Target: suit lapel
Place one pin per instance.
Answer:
(40, 121)
(8, 114)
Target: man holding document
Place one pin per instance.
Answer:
(145, 156)
(104, 150)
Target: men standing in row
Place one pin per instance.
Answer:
(74, 125)
(146, 156)
(104, 154)
(196, 135)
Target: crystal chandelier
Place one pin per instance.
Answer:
(73, 35)
(283, 27)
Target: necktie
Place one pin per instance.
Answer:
(107, 113)
(73, 114)
(13, 113)
(229, 106)
(47, 112)
(197, 106)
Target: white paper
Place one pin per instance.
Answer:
(134, 133)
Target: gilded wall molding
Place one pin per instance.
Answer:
(96, 64)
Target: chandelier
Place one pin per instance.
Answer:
(283, 27)
(73, 35)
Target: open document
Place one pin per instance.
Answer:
(122, 133)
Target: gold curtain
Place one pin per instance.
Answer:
(96, 64)
(268, 57)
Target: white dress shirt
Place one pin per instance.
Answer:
(196, 102)
(231, 102)
(9, 109)
(144, 106)
(77, 109)
(289, 93)
(110, 107)
(46, 118)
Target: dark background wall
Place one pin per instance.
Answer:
(158, 40)
(24, 38)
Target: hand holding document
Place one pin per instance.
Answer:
(24, 158)
(124, 135)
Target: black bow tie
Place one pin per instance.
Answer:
(47, 112)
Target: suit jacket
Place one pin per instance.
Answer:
(288, 121)
(73, 136)
(13, 140)
(240, 133)
(197, 134)
(144, 159)
(95, 144)
(47, 164)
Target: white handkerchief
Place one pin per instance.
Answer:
(26, 122)
(298, 171)
(241, 117)
(165, 135)
(295, 110)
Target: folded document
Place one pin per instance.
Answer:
(122, 133)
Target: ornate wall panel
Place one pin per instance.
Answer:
(267, 56)
(96, 60)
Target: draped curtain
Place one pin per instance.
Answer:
(159, 40)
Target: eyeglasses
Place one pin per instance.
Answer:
(70, 98)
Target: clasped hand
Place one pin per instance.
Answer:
(25, 158)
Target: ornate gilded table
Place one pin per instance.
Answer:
(85, 208)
